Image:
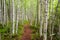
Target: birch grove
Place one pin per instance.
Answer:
(41, 17)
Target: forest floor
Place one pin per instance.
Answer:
(27, 32)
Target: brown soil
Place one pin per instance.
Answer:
(27, 32)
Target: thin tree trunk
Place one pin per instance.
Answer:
(46, 19)
(59, 27)
(0, 13)
(13, 5)
(5, 13)
(0, 37)
(41, 18)
(53, 17)
(0, 17)
(18, 12)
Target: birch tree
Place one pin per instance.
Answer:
(46, 19)
(41, 17)
(0, 19)
(18, 14)
(5, 12)
(0, 13)
(52, 21)
(13, 5)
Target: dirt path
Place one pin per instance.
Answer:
(27, 32)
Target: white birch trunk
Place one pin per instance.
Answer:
(13, 31)
(23, 15)
(52, 19)
(41, 18)
(2, 19)
(5, 13)
(46, 19)
(0, 13)
(18, 14)
(59, 27)
(0, 37)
